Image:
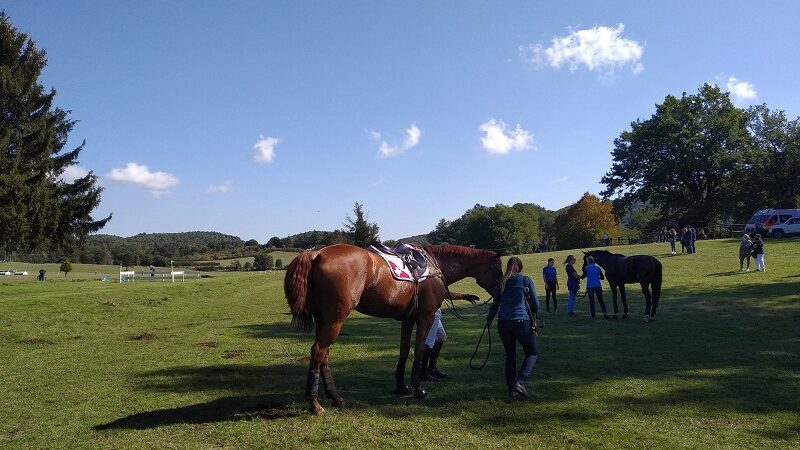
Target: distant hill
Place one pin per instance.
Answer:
(168, 244)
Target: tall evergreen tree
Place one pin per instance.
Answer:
(38, 209)
(361, 232)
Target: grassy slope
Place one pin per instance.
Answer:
(720, 367)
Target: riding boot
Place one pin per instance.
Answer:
(432, 370)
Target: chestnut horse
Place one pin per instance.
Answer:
(322, 288)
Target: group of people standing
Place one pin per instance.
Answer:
(688, 237)
(751, 247)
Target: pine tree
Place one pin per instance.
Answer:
(38, 210)
(361, 232)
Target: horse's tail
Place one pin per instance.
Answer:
(657, 275)
(297, 289)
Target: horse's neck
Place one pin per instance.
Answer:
(455, 269)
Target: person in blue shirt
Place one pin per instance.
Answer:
(573, 284)
(593, 275)
(550, 284)
(516, 305)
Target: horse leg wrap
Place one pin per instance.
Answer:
(312, 385)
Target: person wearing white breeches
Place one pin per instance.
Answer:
(433, 345)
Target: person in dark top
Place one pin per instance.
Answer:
(516, 305)
(758, 253)
(550, 278)
(593, 275)
(672, 234)
(573, 284)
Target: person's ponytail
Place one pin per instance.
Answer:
(513, 266)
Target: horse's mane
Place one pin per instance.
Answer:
(459, 250)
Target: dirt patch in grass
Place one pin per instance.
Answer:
(209, 344)
(268, 412)
(232, 354)
(108, 303)
(144, 337)
(35, 341)
(77, 337)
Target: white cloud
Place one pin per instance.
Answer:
(742, 91)
(411, 138)
(139, 174)
(601, 49)
(499, 140)
(264, 149)
(224, 188)
(72, 173)
(560, 180)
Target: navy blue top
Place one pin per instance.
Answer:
(573, 284)
(593, 276)
(549, 273)
(511, 305)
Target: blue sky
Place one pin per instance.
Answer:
(264, 119)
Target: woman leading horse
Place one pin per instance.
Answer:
(323, 287)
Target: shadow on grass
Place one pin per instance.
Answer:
(219, 410)
(720, 349)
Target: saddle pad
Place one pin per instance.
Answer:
(400, 270)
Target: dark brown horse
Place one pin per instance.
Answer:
(322, 288)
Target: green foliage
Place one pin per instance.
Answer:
(65, 267)
(251, 243)
(38, 210)
(509, 230)
(680, 160)
(275, 242)
(236, 265)
(279, 264)
(263, 261)
(583, 223)
(645, 219)
(360, 232)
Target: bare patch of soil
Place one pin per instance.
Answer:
(35, 341)
(267, 412)
(209, 344)
(108, 303)
(232, 354)
(144, 337)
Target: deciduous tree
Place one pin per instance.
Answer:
(683, 159)
(581, 224)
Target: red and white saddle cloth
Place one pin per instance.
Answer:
(399, 268)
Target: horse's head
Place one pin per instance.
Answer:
(491, 275)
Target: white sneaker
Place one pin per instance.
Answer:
(748, 270)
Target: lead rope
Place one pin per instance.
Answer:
(477, 346)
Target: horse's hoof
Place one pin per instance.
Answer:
(317, 409)
(420, 394)
(402, 389)
(625, 316)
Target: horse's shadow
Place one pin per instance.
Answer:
(223, 409)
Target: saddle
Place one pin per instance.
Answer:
(407, 262)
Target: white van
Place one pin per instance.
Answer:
(765, 219)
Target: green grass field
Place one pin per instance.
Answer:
(213, 363)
